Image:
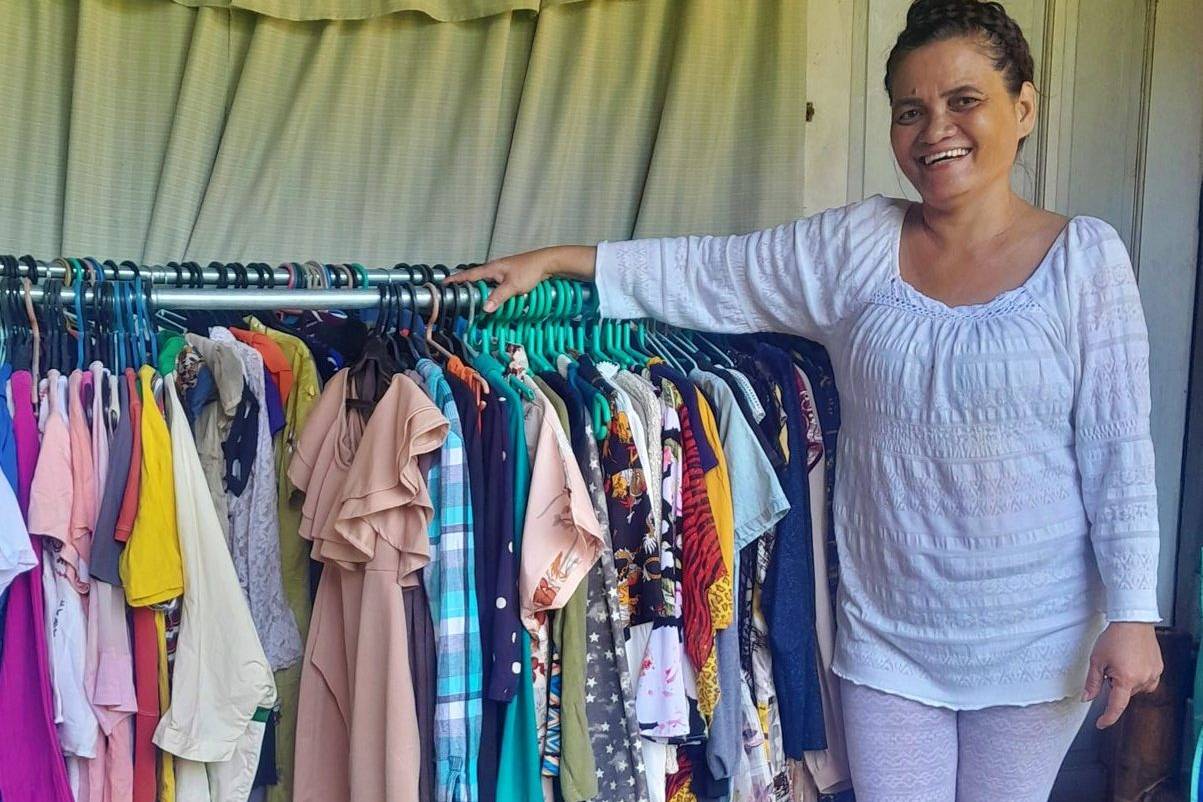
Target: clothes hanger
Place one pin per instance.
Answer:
(443, 325)
(80, 321)
(435, 302)
(145, 308)
(35, 355)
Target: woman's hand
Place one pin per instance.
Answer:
(519, 274)
(1127, 655)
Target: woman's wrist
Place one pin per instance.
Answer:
(572, 261)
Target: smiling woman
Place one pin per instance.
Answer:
(997, 536)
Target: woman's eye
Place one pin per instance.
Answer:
(907, 116)
(965, 101)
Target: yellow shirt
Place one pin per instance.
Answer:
(151, 569)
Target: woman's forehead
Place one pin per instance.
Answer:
(942, 66)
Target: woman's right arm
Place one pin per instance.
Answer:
(795, 278)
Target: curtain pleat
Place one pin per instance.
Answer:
(438, 10)
(149, 130)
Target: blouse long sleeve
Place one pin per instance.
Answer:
(1112, 439)
(801, 278)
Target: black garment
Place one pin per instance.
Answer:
(346, 335)
(629, 507)
(242, 444)
(770, 426)
(267, 773)
(493, 543)
(423, 672)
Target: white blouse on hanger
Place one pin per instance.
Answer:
(995, 499)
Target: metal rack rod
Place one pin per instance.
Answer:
(163, 275)
(253, 298)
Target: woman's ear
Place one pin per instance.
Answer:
(1025, 109)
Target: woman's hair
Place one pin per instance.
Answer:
(930, 21)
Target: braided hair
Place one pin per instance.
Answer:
(930, 21)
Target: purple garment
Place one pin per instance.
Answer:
(31, 763)
(275, 406)
(25, 431)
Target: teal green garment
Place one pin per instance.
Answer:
(170, 345)
(520, 781)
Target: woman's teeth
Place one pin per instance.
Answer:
(943, 155)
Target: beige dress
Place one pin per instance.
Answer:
(366, 511)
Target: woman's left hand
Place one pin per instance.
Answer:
(1127, 655)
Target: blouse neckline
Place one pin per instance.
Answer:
(995, 304)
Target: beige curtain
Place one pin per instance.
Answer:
(441, 10)
(152, 130)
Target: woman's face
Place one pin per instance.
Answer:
(947, 96)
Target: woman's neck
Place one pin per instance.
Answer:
(973, 221)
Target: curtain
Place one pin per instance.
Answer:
(441, 10)
(155, 130)
(152, 130)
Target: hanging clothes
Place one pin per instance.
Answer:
(254, 526)
(31, 764)
(366, 510)
(221, 678)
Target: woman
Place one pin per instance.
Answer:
(996, 511)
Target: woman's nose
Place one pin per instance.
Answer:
(939, 126)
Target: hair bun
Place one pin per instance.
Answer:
(934, 20)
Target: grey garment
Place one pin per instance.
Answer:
(757, 500)
(610, 695)
(255, 529)
(422, 672)
(212, 425)
(724, 747)
(106, 549)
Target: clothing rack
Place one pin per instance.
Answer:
(173, 287)
(177, 274)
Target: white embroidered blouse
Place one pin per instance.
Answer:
(995, 501)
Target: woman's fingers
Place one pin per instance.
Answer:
(1094, 682)
(1117, 703)
(499, 295)
(490, 271)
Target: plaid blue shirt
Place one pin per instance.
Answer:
(451, 587)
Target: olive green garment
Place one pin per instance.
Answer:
(578, 772)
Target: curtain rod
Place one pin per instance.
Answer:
(211, 274)
(254, 298)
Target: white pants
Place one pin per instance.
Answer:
(900, 750)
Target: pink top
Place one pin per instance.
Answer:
(51, 492)
(561, 536)
(83, 476)
(367, 511)
(383, 494)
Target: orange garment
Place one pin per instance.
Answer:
(367, 510)
(274, 359)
